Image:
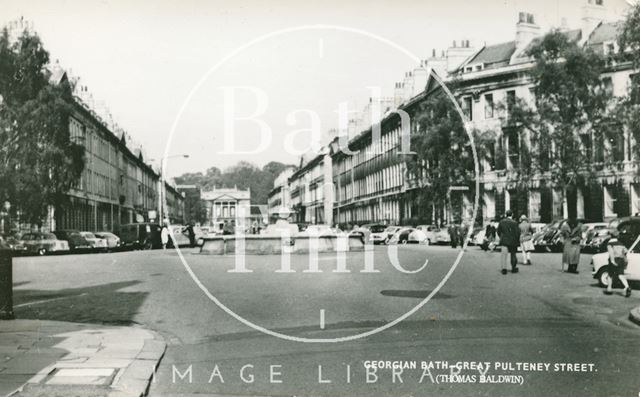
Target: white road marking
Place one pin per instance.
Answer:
(321, 318)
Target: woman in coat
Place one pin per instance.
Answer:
(571, 233)
(164, 236)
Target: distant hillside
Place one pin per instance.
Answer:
(243, 175)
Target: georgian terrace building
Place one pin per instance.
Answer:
(279, 198)
(117, 186)
(499, 74)
(373, 185)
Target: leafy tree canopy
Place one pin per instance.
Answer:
(39, 162)
(244, 175)
(571, 117)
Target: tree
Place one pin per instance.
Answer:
(629, 105)
(39, 161)
(443, 156)
(629, 37)
(566, 129)
(243, 175)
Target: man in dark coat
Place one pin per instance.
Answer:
(192, 235)
(509, 234)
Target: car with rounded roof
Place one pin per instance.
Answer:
(435, 235)
(43, 243)
(96, 243)
(113, 241)
(76, 242)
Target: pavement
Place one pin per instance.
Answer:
(41, 358)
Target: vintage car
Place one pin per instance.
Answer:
(600, 265)
(140, 236)
(113, 241)
(14, 243)
(401, 236)
(377, 233)
(435, 235)
(77, 243)
(43, 243)
(96, 243)
(596, 240)
(589, 229)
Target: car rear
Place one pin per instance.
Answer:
(378, 235)
(113, 241)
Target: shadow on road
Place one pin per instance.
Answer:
(100, 304)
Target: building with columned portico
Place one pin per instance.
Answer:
(228, 206)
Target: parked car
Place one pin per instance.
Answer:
(113, 241)
(77, 243)
(551, 239)
(377, 233)
(628, 229)
(43, 243)
(597, 240)
(401, 236)
(140, 236)
(14, 243)
(96, 243)
(590, 228)
(390, 231)
(362, 232)
(417, 237)
(600, 262)
(435, 235)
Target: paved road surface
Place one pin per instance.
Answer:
(539, 315)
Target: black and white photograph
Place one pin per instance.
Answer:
(300, 199)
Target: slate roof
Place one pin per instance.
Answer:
(496, 54)
(606, 32)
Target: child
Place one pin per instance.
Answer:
(617, 264)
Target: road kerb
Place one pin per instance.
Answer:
(634, 315)
(136, 378)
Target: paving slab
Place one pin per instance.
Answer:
(49, 358)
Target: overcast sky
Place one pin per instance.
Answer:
(144, 58)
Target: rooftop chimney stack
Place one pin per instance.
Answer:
(398, 94)
(456, 55)
(409, 85)
(593, 13)
(526, 30)
(420, 78)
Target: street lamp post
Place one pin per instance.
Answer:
(6, 277)
(162, 199)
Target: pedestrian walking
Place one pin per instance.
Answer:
(453, 236)
(526, 239)
(572, 234)
(192, 235)
(164, 236)
(617, 264)
(462, 235)
(509, 234)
